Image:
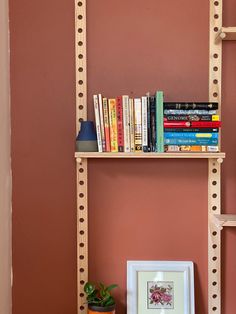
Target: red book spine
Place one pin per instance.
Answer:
(120, 127)
(193, 124)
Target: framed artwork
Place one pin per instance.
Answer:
(160, 287)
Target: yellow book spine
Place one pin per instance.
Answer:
(113, 125)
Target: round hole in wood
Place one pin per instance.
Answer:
(215, 55)
(214, 233)
(80, 56)
(80, 17)
(81, 107)
(80, 43)
(81, 270)
(81, 257)
(81, 170)
(214, 271)
(81, 307)
(214, 296)
(216, 29)
(82, 282)
(215, 81)
(81, 295)
(214, 195)
(214, 182)
(214, 308)
(80, 69)
(81, 195)
(81, 182)
(214, 170)
(81, 232)
(80, 30)
(81, 244)
(81, 119)
(216, 16)
(214, 207)
(81, 219)
(214, 246)
(81, 95)
(214, 283)
(216, 3)
(81, 82)
(215, 69)
(215, 94)
(80, 3)
(214, 258)
(81, 207)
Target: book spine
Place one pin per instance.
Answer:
(102, 122)
(126, 123)
(138, 124)
(193, 124)
(194, 130)
(206, 117)
(131, 114)
(144, 124)
(190, 141)
(174, 148)
(106, 124)
(187, 112)
(187, 135)
(113, 125)
(159, 122)
(97, 122)
(153, 123)
(149, 122)
(120, 126)
(191, 106)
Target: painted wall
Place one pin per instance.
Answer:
(5, 166)
(137, 209)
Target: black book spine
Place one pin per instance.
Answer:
(153, 123)
(149, 123)
(194, 130)
(191, 106)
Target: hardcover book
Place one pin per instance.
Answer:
(191, 105)
(193, 117)
(113, 125)
(120, 126)
(159, 122)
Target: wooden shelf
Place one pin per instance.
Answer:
(227, 33)
(150, 155)
(225, 220)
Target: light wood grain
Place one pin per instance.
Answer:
(224, 220)
(226, 33)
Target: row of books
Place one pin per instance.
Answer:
(149, 124)
(195, 127)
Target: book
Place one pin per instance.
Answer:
(194, 130)
(120, 126)
(131, 115)
(126, 122)
(106, 124)
(152, 124)
(159, 122)
(185, 112)
(193, 117)
(193, 124)
(187, 135)
(191, 105)
(175, 148)
(97, 122)
(138, 124)
(102, 122)
(144, 124)
(148, 121)
(113, 125)
(191, 141)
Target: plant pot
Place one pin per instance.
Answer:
(93, 309)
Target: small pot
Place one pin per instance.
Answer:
(94, 309)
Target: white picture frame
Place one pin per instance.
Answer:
(160, 287)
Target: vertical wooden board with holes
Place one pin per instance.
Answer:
(82, 174)
(214, 237)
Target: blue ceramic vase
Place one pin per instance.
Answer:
(86, 141)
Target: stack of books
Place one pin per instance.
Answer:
(127, 124)
(191, 127)
(147, 124)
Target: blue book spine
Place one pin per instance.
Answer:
(159, 122)
(190, 135)
(189, 141)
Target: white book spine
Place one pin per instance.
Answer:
(138, 124)
(102, 123)
(144, 124)
(131, 115)
(126, 123)
(97, 121)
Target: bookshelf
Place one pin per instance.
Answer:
(216, 220)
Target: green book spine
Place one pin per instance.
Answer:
(159, 122)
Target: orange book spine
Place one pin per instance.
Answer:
(113, 125)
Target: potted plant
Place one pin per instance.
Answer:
(99, 298)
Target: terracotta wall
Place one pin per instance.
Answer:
(5, 167)
(154, 210)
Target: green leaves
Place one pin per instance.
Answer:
(99, 296)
